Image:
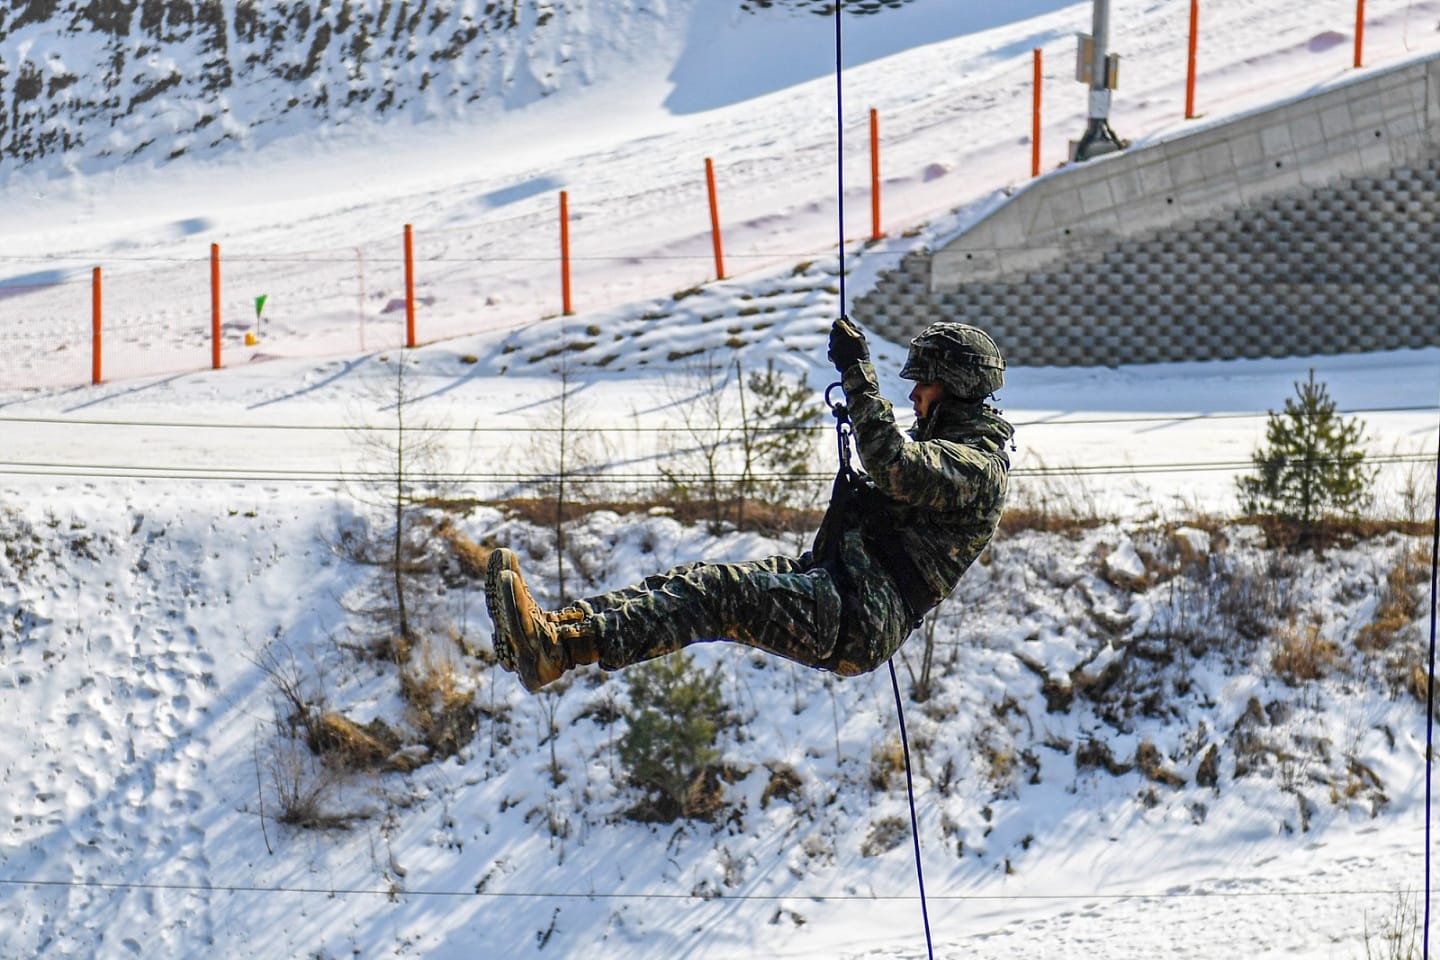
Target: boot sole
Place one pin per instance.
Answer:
(501, 561)
(531, 665)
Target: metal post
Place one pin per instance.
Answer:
(875, 233)
(96, 350)
(409, 286)
(1190, 60)
(215, 306)
(1099, 138)
(715, 241)
(565, 307)
(1039, 72)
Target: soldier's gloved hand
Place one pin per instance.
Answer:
(847, 345)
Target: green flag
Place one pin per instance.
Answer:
(260, 305)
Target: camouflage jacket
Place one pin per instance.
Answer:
(932, 498)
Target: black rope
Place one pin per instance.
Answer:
(840, 144)
(1430, 704)
(914, 820)
(843, 429)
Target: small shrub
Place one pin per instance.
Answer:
(675, 717)
(302, 789)
(1312, 464)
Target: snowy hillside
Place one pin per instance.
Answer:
(1115, 755)
(1147, 733)
(96, 85)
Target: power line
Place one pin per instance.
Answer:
(252, 473)
(1062, 421)
(670, 895)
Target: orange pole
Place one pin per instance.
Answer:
(1359, 32)
(714, 220)
(565, 305)
(1035, 115)
(409, 286)
(1190, 69)
(215, 306)
(95, 326)
(875, 233)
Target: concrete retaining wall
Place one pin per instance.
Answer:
(1308, 228)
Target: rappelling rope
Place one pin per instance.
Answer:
(1430, 702)
(844, 431)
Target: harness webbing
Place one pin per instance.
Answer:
(842, 428)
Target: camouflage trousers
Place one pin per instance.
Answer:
(847, 620)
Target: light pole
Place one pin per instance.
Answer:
(1100, 69)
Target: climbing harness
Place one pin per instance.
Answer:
(847, 477)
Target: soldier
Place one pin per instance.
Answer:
(891, 546)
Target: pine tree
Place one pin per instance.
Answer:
(1312, 465)
(675, 717)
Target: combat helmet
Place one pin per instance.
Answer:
(964, 358)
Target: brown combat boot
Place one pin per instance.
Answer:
(534, 645)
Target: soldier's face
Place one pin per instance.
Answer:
(924, 395)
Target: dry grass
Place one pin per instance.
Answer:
(885, 835)
(345, 745)
(1413, 677)
(1152, 763)
(1399, 605)
(887, 760)
(1302, 654)
(1321, 535)
(470, 556)
(1019, 519)
(441, 705)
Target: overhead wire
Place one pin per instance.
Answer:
(1060, 420)
(316, 475)
(389, 892)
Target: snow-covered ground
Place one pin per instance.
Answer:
(164, 534)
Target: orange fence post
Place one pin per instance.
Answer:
(875, 233)
(1035, 115)
(1190, 68)
(565, 306)
(1359, 33)
(95, 326)
(215, 306)
(409, 286)
(714, 220)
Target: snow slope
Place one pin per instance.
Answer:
(169, 536)
(311, 213)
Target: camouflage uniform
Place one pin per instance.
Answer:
(888, 550)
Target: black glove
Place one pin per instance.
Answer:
(847, 345)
